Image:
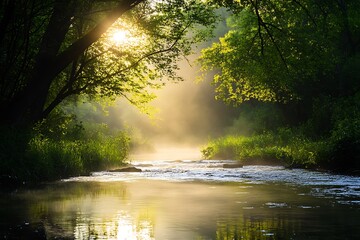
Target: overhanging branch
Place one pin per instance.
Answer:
(78, 47)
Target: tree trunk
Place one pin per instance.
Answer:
(27, 108)
(28, 105)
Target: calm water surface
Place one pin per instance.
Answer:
(191, 200)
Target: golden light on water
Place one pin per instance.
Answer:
(121, 227)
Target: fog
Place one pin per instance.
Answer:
(187, 114)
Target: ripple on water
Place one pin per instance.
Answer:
(345, 189)
(276, 205)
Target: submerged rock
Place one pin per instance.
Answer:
(232, 165)
(126, 169)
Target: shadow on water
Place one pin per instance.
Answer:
(178, 210)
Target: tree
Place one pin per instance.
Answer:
(51, 50)
(286, 50)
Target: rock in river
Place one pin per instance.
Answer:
(126, 169)
(232, 165)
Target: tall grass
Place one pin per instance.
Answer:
(36, 157)
(51, 159)
(281, 147)
(329, 138)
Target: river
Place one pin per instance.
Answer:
(189, 199)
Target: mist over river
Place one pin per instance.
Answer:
(189, 198)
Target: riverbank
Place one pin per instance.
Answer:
(29, 156)
(288, 149)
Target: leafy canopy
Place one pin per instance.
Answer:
(283, 50)
(156, 36)
(52, 50)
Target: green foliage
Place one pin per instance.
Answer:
(158, 35)
(336, 120)
(51, 152)
(47, 159)
(46, 156)
(256, 117)
(304, 54)
(285, 51)
(281, 147)
(53, 50)
(105, 152)
(345, 133)
(329, 139)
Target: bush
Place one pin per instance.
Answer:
(345, 142)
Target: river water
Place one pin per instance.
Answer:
(190, 199)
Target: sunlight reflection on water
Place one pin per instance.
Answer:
(121, 227)
(178, 196)
(346, 189)
(147, 208)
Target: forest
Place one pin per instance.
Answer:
(290, 68)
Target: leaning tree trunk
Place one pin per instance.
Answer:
(28, 107)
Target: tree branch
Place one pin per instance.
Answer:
(262, 23)
(78, 47)
(259, 26)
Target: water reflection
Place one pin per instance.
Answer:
(149, 209)
(121, 227)
(345, 189)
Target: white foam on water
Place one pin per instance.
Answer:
(340, 187)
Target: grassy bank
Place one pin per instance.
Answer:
(329, 138)
(287, 147)
(35, 156)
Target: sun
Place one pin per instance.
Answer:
(123, 35)
(120, 37)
